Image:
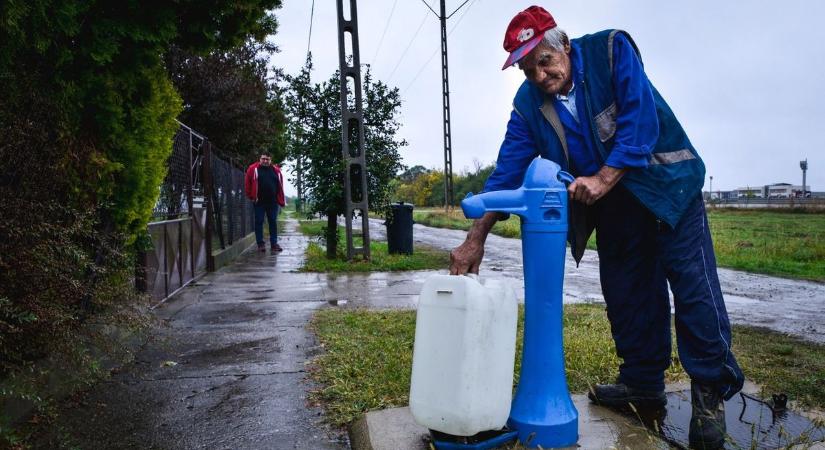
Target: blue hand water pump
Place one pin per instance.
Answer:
(542, 412)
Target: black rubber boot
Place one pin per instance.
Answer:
(620, 395)
(707, 423)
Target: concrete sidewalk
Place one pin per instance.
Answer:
(228, 371)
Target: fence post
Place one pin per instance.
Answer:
(190, 199)
(206, 167)
(180, 253)
(165, 261)
(230, 204)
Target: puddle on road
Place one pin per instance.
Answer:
(738, 300)
(234, 353)
(259, 291)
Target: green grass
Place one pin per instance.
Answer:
(782, 243)
(455, 220)
(423, 257)
(788, 244)
(357, 375)
(367, 360)
(782, 364)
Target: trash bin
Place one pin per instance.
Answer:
(400, 228)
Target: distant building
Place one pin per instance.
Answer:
(721, 195)
(776, 190)
(750, 192)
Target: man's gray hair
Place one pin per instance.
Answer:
(555, 38)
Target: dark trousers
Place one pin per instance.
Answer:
(269, 211)
(638, 257)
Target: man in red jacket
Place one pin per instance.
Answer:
(264, 185)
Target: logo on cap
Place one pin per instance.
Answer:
(525, 34)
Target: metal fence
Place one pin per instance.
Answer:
(201, 208)
(762, 202)
(233, 214)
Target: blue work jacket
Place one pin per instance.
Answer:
(664, 176)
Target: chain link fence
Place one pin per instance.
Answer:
(177, 191)
(233, 213)
(201, 209)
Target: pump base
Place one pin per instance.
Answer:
(481, 441)
(556, 435)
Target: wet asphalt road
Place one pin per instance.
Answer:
(227, 371)
(788, 306)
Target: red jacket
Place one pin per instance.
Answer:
(251, 183)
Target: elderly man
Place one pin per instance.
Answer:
(587, 104)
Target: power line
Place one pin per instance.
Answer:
(456, 10)
(457, 23)
(424, 19)
(431, 8)
(311, 18)
(386, 27)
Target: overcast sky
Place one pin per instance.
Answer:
(745, 78)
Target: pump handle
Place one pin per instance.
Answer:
(565, 177)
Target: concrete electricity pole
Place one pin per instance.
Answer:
(352, 130)
(445, 93)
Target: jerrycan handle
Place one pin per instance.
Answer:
(565, 177)
(472, 276)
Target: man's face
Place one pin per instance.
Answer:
(265, 160)
(549, 69)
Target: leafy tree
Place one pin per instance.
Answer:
(102, 62)
(297, 94)
(472, 181)
(425, 187)
(420, 189)
(87, 116)
(412, 173)
(315, 139)
(231, 94)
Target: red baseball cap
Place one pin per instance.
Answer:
(525, 32)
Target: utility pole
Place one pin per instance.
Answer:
(352, 132)
(445, 93)
(804, 166)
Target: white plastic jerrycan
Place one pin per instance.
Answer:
(465, 348)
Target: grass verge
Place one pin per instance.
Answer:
(782, 243)
(357, 373)
(455, 220)
(788, 244)
(423, 257)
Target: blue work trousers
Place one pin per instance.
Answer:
(270, 211)
(638, 256)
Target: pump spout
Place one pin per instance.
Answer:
(543, 189)
(511, 202)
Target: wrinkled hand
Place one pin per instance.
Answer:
(466, 258)
(588, 189)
